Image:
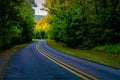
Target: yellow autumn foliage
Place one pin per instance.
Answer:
(42, 24)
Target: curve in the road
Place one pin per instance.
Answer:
(75, 71)
(93, 69)
(38, 61)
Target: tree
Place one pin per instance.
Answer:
(16, 18)
(84, 23)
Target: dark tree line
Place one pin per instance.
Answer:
(84, 23)
(16, 22)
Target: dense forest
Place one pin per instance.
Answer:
(16, 22)
(84, 24)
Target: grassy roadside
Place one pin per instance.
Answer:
(13, 49)
(5, 56)
(99, 57)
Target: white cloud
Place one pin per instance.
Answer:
(39, 6)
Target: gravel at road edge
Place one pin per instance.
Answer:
(3, 64)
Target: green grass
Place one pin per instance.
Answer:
(20, 46)
(112, 60)
(13, 49)
(114, 49)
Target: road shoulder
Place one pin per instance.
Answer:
(5, 57)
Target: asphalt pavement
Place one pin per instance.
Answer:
(38, 61)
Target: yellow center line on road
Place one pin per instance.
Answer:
(66, 66)
(63, 66)
(72, 67)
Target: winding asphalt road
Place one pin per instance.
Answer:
(38, 61)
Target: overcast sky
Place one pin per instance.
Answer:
(37, 9)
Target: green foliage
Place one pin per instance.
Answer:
(16, 22)
(115, 49)
(41, 29)
(84, 23)
(39, 34)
